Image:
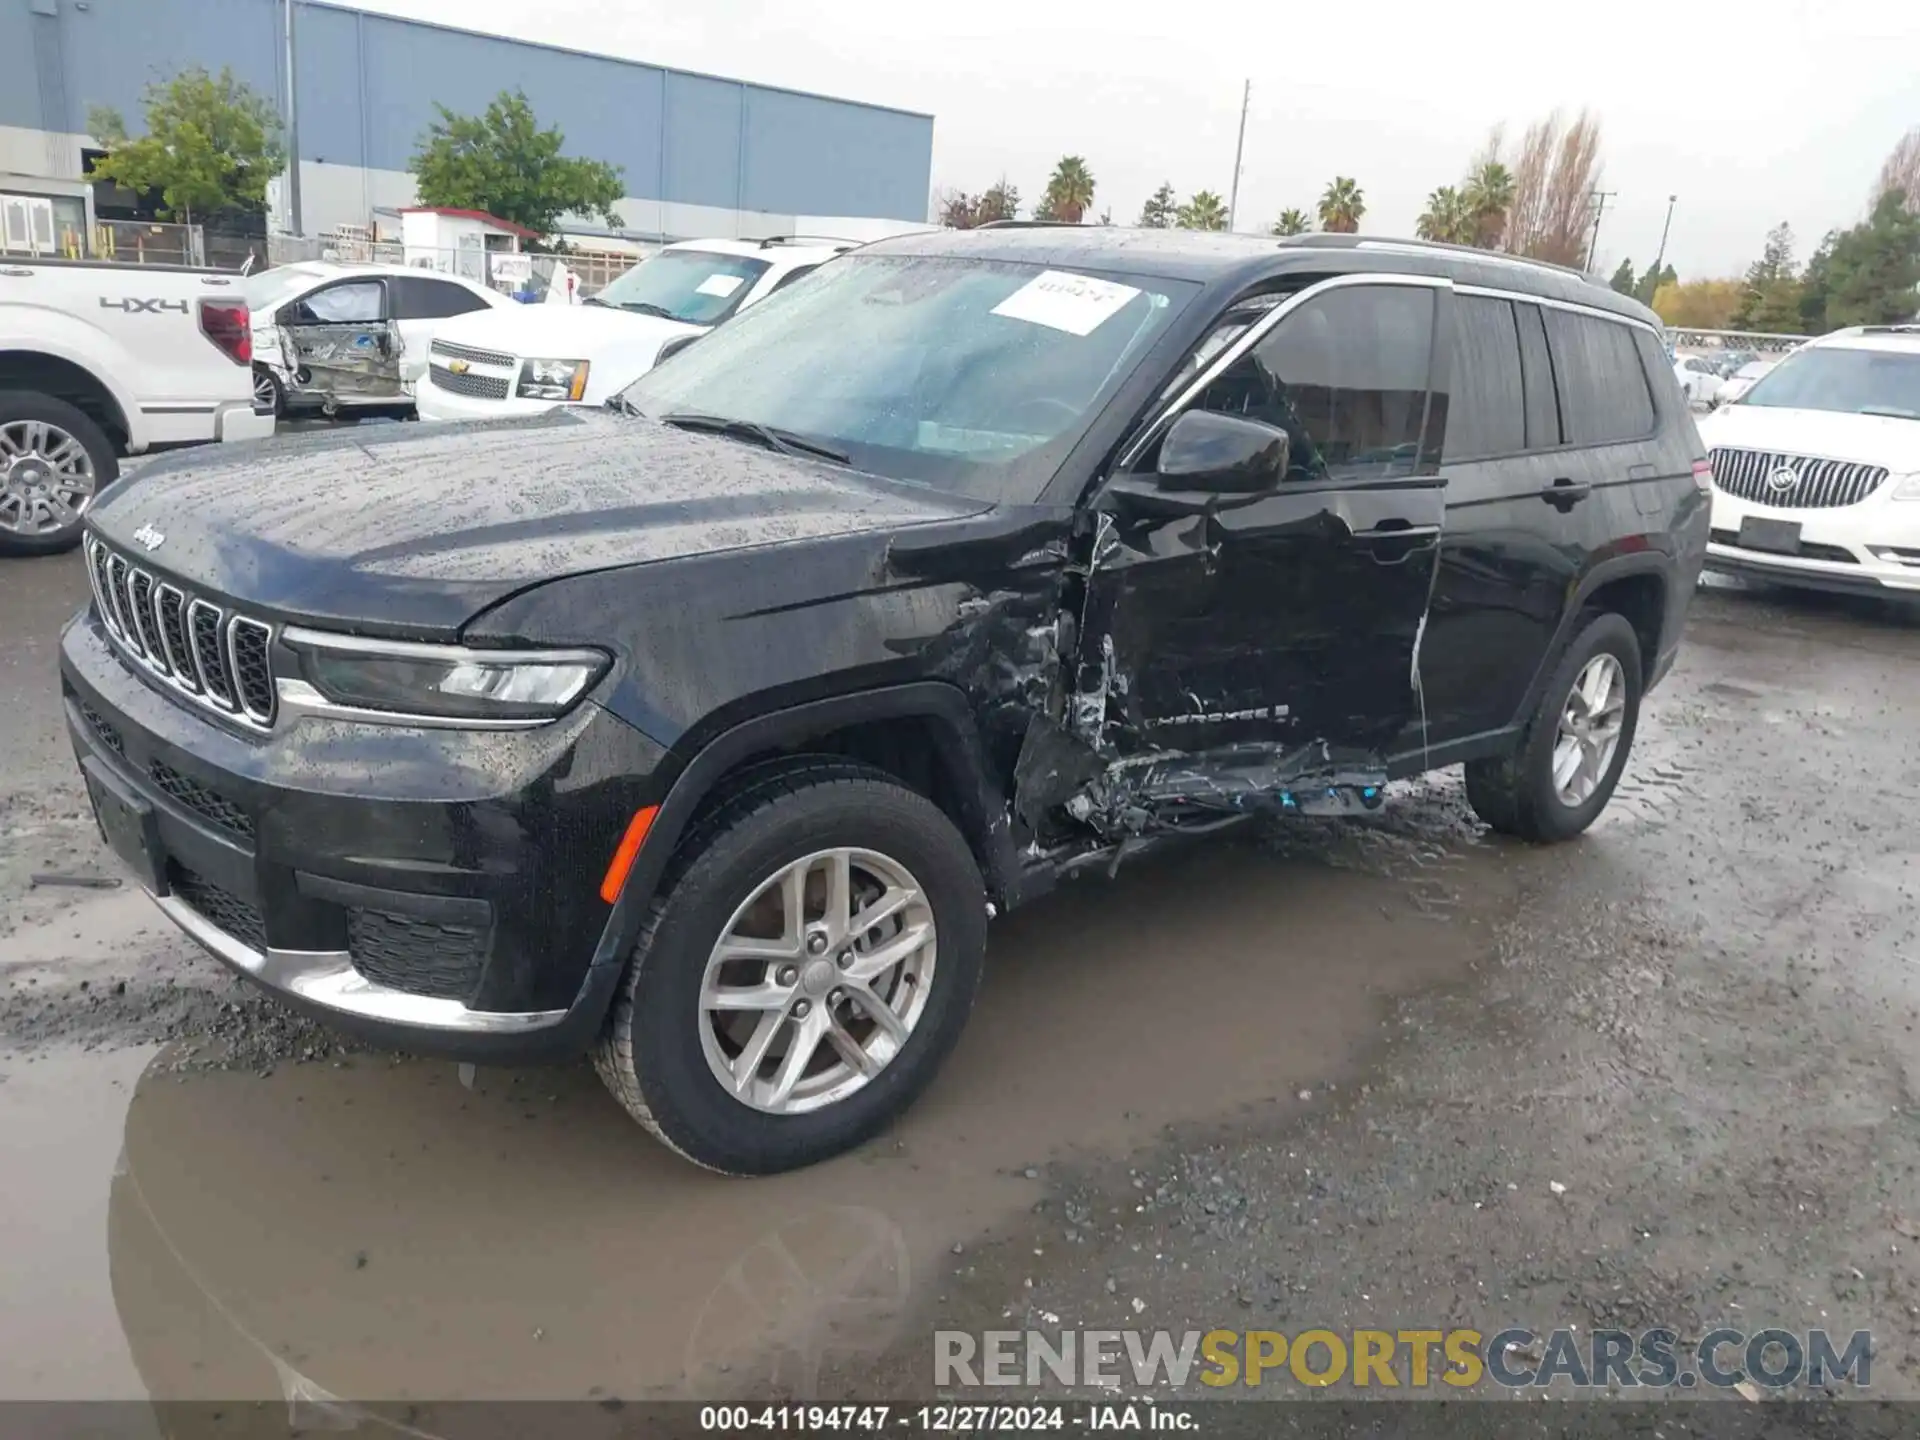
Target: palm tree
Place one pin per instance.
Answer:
(1070, 191)
(1292, 222)
(1448, 217)
(1205, 211)
(1489, 195)
(1342, 206)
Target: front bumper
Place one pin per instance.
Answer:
(433, 403)
(1869, 548)
(434, 891)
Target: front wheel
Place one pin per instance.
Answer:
(1560, 779)
(53, 460)
(807, 966)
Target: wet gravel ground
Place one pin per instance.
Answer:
(1670, 1075)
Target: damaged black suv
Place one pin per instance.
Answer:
(708, 733)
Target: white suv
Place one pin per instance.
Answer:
(1816, 469)
(529, 358)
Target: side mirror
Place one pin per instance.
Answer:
(673, 347)
(1222, 455)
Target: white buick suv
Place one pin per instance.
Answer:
(1816, 469)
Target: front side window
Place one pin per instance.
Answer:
(697, 287)
(419, 299)
(356, 302)
(1848, 381)
(970, 375)
(1346, 377)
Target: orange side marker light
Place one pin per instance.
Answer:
(628, 852)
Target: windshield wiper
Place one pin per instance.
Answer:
(774, 438)
(1892, 412)
(644, 307)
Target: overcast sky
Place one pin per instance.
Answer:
(1751, 111)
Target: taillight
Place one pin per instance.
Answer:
(228, 325)
(1702, 475)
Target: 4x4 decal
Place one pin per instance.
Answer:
(133, 305)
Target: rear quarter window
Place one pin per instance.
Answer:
(1605, 396)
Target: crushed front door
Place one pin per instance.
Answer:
(1264, 653)
(341, 346)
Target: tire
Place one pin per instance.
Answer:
(1516, 794)
(656, 1050)
(51, 429)
(265, 382)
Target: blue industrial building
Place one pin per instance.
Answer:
(700, 155)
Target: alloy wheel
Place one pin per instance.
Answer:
(1589, 733)
(46, 478)
(818, 981)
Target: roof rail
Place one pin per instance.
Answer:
(772, 240)
(1029, 225)
(1497, 257)
(1900, 327)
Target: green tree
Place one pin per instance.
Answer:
(1161, 207)
(1448, 217)
(1770, 294)
(1654, 281)
(1815, 282)
(1873, 275)
(503, 163)
(1341, 206)
(1000, 201)
(1069, 193)
(212, 144)
(1204, 211)
(1622, 281)
(1292, 221)
(1488, 196)
(956, 209)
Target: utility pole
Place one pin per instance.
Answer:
(1661, 258)
(1600, 198)
(1239, 148)
(293, 137)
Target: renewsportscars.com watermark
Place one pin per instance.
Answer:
(1458, 1359)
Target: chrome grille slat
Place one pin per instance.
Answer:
(480, 387)
(196, 646)
(442, 349)
(1824, 483)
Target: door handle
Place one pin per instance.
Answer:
(1396, 530)
(1566, 492)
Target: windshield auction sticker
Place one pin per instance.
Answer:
(1060, 300)
(720, 285)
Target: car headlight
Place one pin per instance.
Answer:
(448, 681)
(552, 380)
(1907, 487)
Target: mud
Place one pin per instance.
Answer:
(1376, 1071)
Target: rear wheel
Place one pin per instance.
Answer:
(1560, 778)
(267, 393)
(804, 971)
(53, 460)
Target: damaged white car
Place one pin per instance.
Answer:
(332, 339)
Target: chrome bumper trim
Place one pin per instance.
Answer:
(327, 978)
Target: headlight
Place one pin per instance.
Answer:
(552, 380)
(1907, 487)
(448, 681)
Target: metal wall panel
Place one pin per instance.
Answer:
(820, 157)
(701, 150)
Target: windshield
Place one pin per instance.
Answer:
(700, 287)
(975, 376)
(1852, 382)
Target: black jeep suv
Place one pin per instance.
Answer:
(708, 732)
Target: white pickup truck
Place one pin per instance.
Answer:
(98, 361)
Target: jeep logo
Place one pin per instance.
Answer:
(151, 538)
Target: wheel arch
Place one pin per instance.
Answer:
(1633, 585)
(42, 372)
(852, 726)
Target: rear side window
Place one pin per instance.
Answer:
(1487, 411)
(1346, 377)
(792, 275)
(1604, 394)
(418, 299)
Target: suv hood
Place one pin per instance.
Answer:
(600, 334)
(411, 529)
(1824, 434)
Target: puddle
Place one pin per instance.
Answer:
(380, 1231)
